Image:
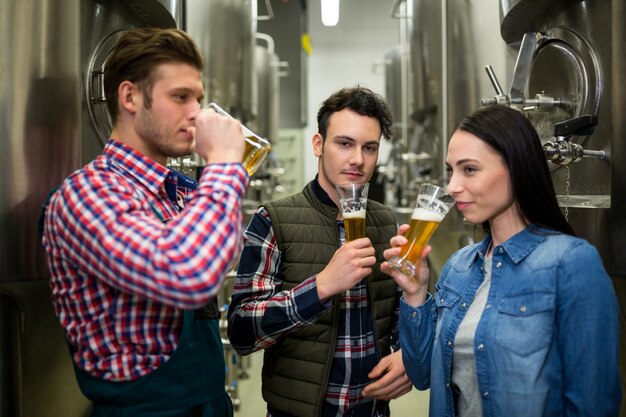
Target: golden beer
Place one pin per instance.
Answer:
(256, 148)
(422, 226)
(255, 152)
(354, 224)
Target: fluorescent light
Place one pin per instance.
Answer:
(330, 12)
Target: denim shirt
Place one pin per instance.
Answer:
(547, 343)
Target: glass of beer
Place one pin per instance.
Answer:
(353, 201)
(433, 203)
(257, 148)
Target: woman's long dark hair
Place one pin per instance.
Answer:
(512, 136)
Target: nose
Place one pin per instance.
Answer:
(194, 110)
(356, 158)
(454, 186)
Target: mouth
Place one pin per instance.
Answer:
(352, 174)
(187, 133)
(461, 205)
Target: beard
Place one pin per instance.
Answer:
(157, 137)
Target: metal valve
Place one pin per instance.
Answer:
(542, 102)
(561, 151)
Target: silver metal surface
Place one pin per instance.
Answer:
(224, 31)
(176, 10)
(521, 16)
(101, 25)
(47, 132)
(267, 70)
(39, 122)
(582, 63)
(568, 66)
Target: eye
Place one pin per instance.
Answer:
(344, 143)
(469, 170)
(371, 148)
(448, 170)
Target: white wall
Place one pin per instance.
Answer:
(346, 55)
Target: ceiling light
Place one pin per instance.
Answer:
(330, 12)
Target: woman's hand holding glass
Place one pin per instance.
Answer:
(415, 287)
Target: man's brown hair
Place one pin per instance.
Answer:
(137, 54)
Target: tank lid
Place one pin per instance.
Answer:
(520, 16)
(154, 12)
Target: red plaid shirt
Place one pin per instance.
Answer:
(124, 261)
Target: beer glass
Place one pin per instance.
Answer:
(433, 203)
(353, 201)
(257, 148)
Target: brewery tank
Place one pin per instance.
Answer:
(225, 33)
(51, 123)
(449, 42)
(267, 73)
(577, 68)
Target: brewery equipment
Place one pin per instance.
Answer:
(442, 45)
(225, 33)
(50, 119)
(569, 81)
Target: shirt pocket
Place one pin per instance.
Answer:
(525, 321)
(445, 300)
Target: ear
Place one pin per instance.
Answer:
(126, 96)
(318, 144)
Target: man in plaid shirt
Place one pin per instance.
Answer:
(319, 307)
(135, 250)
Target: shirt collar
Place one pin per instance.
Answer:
(321, 194)
(148, 172)
(519, 246)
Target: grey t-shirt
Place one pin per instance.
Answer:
(464, 379)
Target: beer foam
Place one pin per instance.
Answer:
(426, 215)
(355, 214)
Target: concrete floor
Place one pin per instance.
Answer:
(413, 404)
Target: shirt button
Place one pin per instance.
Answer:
(500, 250)
(447, 385)
(449, 343)
(498, 264)
(522, 309)
(485, 394)
(481, 347)
(488, 306)
(414, 314)
(463, 305)
(442, 300)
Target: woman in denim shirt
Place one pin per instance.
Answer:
(525, 322)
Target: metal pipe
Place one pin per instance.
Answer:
(394, 10)
(267, 38)
(494, 80)
(269, 15)
(444, 88)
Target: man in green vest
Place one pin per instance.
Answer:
(319, 306)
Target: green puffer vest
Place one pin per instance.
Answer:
(297, 368)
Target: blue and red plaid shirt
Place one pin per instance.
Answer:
(125, 258)
(261, 312)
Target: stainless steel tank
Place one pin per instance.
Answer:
(39, 122)
(449, 44)
(51, 122)
(268, 72)
(577, 68)
(224, 31)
